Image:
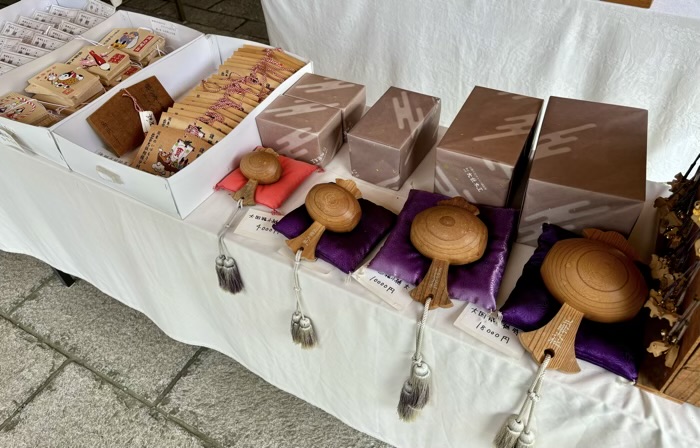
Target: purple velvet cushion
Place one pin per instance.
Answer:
(616, 347)
(476, 282)
(343, 250)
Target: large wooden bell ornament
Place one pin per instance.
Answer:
(332, 206)
(593, 277)
(260, 167)
(449, 234)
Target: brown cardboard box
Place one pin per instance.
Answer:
(589, 169)
(350, 98)
(301, 130)
(484, 153)
(393, 137)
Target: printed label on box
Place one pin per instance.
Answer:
(55, 33)
(4, 68)
(391, 290)
(33, 24)
(491, 331)
(257, 225)
(164, 28)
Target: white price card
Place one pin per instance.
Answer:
(9, 43)
(33, 24)
(45, 17)
(257, 225)
(164, 28)
(491, 331)
(15, 59)
(30, 50)
(390, 289)
(100, 8)
(87, 19)
(22, 32)
(60, 11)
(55, 33)
(46, 42)
(4, 68)
(71, 28)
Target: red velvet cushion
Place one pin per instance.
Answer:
(294, 172)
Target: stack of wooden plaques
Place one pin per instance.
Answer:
(64, 87)
(104, 61)
(24, 109)
(142, 46)
(218, 104)
(211, 110)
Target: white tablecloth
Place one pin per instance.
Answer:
(582, 49)
(164, 268)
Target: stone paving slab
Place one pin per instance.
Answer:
(25, 364)
(112, 338)
(78, 409)
(238, 409)
(19, 276)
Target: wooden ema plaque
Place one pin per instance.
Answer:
(682, 381)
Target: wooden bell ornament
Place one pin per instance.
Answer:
(262, 167)
(593, 277)
(450, 234)
(332, 206)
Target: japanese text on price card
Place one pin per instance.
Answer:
(490, 330)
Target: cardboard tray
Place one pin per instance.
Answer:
(181, 193)
(39, 140)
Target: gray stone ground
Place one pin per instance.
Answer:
(79, 369)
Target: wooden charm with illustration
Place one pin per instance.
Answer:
(261, 166)
(450, 234)
(593, 277)
(332, 206)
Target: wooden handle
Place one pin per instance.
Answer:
(434, 285)
(247, 193)
(557, 336)
(307, 241)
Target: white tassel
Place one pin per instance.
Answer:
(226, 267)
(516, 431)
(302, 328)
(415, 391)
(510, 431)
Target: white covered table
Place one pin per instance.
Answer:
(164, 268)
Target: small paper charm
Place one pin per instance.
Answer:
(261, 166)
(593, 277)
(332, 206)
(450, 234)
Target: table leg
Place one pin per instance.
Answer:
(66, 279)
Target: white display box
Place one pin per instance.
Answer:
(181, 193)
(39, 140)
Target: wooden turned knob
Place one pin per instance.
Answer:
(334, 207)
(262, 165)
(594, 278)
(450, 234)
